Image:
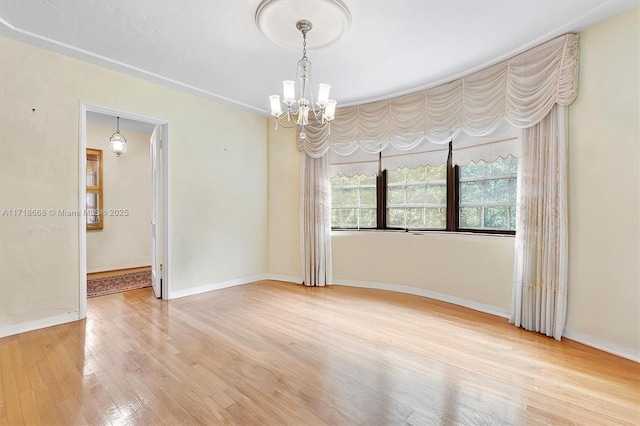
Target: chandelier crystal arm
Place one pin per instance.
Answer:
(298, 111)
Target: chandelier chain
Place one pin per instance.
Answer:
(304, 44)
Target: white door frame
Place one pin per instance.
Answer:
(155, 149)
(163, 159)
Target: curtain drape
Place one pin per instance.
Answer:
(540, 270)
(356, 164)
(466, 149)
(315, 210)
(502, 143)
(520, 91)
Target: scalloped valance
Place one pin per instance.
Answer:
(521, 91)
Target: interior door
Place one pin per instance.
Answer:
(156, 262)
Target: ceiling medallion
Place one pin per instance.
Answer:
(274, 19)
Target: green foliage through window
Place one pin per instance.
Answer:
(418, 198)
(488, 195)
(353, 202)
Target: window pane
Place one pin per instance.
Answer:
(473, 170)
(368, 197)
(395, 195)
(350, 197)
(470, 217)
(437, 194)
(367, 180)
(499, 167)
(336, 196)
(416, 194)
(437, 173)
(395, 217)
(470, 192)
(350, 180)
(349, 218)
(395, 176)
(93, 217)
(416, 175)
(496, 191)
(367, 218)
(488, 195)
(92, 201)
(336, 217)
(353, 202)
(436, 218)
(415, 217)
(417, 190)
(496, 218)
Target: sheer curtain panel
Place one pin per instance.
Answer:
(315, 209)
(540, 270)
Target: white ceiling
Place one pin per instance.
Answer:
(215, 49)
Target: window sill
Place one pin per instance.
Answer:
(426, 232)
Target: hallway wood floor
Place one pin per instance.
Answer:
(273, 353)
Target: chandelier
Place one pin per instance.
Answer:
(117, 141)
(302, 113)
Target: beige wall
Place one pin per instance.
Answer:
(604, 185)
(284, 204)
(473, 270)
(217, 182)
(125, 241)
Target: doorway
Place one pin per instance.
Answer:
(157, 129)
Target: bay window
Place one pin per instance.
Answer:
(427, 190)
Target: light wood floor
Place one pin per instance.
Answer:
(274, 353)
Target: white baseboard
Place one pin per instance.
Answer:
(216, 286)
(489, 309)
(603, 345)
(116, 268)
(286, 278)
(232, 283)
(10, 330)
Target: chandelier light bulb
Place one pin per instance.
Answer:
(323, 94)
(276, 111)
(330, 110)
(117, 146)
(289, 90)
